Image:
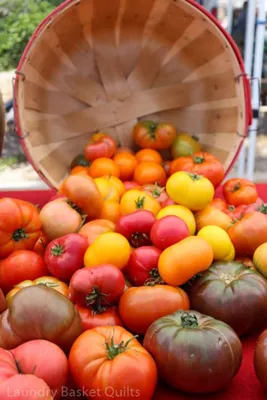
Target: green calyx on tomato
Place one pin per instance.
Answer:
(155, 278)
(263, 209)
(113, 350)
(156, 192)
(188, 320)
(151, 127)
(19, 234)
(236, 187)
(94, 300)
(140, 202)
(57, 250)
(194, 177)
(199, 160)
(139, 239)
(80, 160)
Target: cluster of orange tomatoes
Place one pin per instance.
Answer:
(129, 246)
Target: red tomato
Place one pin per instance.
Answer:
(17, 386)
(34, 357)
(20, 266)
(143, 266)
(168, 202)
(136, 227)
(3, 302)
(240, 191)
(64, 256)
(157, 192)
(257, 206)
(96, 287)
(40, 245)
(131, 185)
(100, 145)
(151, 135)
(168, 231)
(107, 316)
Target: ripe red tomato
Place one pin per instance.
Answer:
(64, 256)
(96, 287)
(107, 316)
(168, 231)
(157, 192)
(151, 135)
(143, 266)
(100, 145)
(260, 359)
(17, 386)
(140, 306)
(240, 191)
(20, 266)
(109, 361)
(130, 185)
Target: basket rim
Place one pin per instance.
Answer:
(63, 6)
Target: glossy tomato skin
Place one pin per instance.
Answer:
(249, 233)
(136, 227)
(126, 163)
(96, 287)
(19, 266)
(38, 312)
(20, 226)
(260, 359)
(202, 164)
(100, 145)
(194, 345)
(108, 316)
(64, 256)
(40, 245)
(143, 266)
(240, 191)
(133, 364)
(150, 135)
(140, 307)
(149, 173)
(232, 293)
(168, 231)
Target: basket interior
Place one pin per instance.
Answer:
(99, 65)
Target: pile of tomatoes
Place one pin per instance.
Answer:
(103, 279)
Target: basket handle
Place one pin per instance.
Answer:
(247, 89)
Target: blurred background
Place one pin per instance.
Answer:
(18, 20)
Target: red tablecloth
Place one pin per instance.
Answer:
(245, 385)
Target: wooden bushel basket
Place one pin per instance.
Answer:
(102, 65)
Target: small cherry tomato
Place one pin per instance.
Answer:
(100, 145)
(127, 164)
(151, 135)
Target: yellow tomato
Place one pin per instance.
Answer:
(219, 240)
(182, 212)
(107, 189)
(108, 248)
(191, 190)
(117, 183)
(231, 254)
(260, 259)
(134, 200)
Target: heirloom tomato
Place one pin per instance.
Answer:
(219, 240)
(134, 200)
(111, 211)
(148, 155)
(64, 256)
(231, 293)
(249, 233)
(116, 182)
(104, 166)
(183, 260)
(16, 387)
(236, 213)
(100, 145)
(168, 231)
(108, 248)
(190, 190)
(97, 287)
(107, 189)
(80, 170)
(142, 266)
(40, 245)
(150, 173)
(19, 266)
(123, 149)
(140, 306)
(185, 145)
(260, 259)
(240, 191)
(95, 228)
(211, 215)
(220, 204)
(129, 185)
(127, 164)
(79, 160)
(109, 361)
(151, 135)
(157, 192)
(20, 226)
(91, 318)
(260, 359)
(181, 212)
(48, 281)
(259, 205)
(200, 163)
(203, 354)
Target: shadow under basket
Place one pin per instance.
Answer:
(103, 65)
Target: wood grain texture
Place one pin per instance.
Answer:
(103, 65)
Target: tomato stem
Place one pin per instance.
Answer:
(156, 192)
(139, 239)
(57, 250)
(198, 160)
(236, 187)
(195, 138)
(189, 320)
(113, 350)
(95, 299)
(263, 209)
(194, 177)
(74, 207)
(19, 234)
(140, 202)
(19, 367)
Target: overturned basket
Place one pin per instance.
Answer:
(101, 65)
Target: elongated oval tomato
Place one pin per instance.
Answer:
(140, 307)
(181, 261)
(109, 362)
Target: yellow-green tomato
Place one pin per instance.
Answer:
(260, 259)
(219, 240)
(190, 190)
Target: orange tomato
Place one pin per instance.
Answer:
(183, 260)
(148, 155)
(104, 166)
(80, 169)
(149, 172)
(126, 163)
(211, 215)
(134, 200)
(111, 211)
(124, 150)
(95, 228)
